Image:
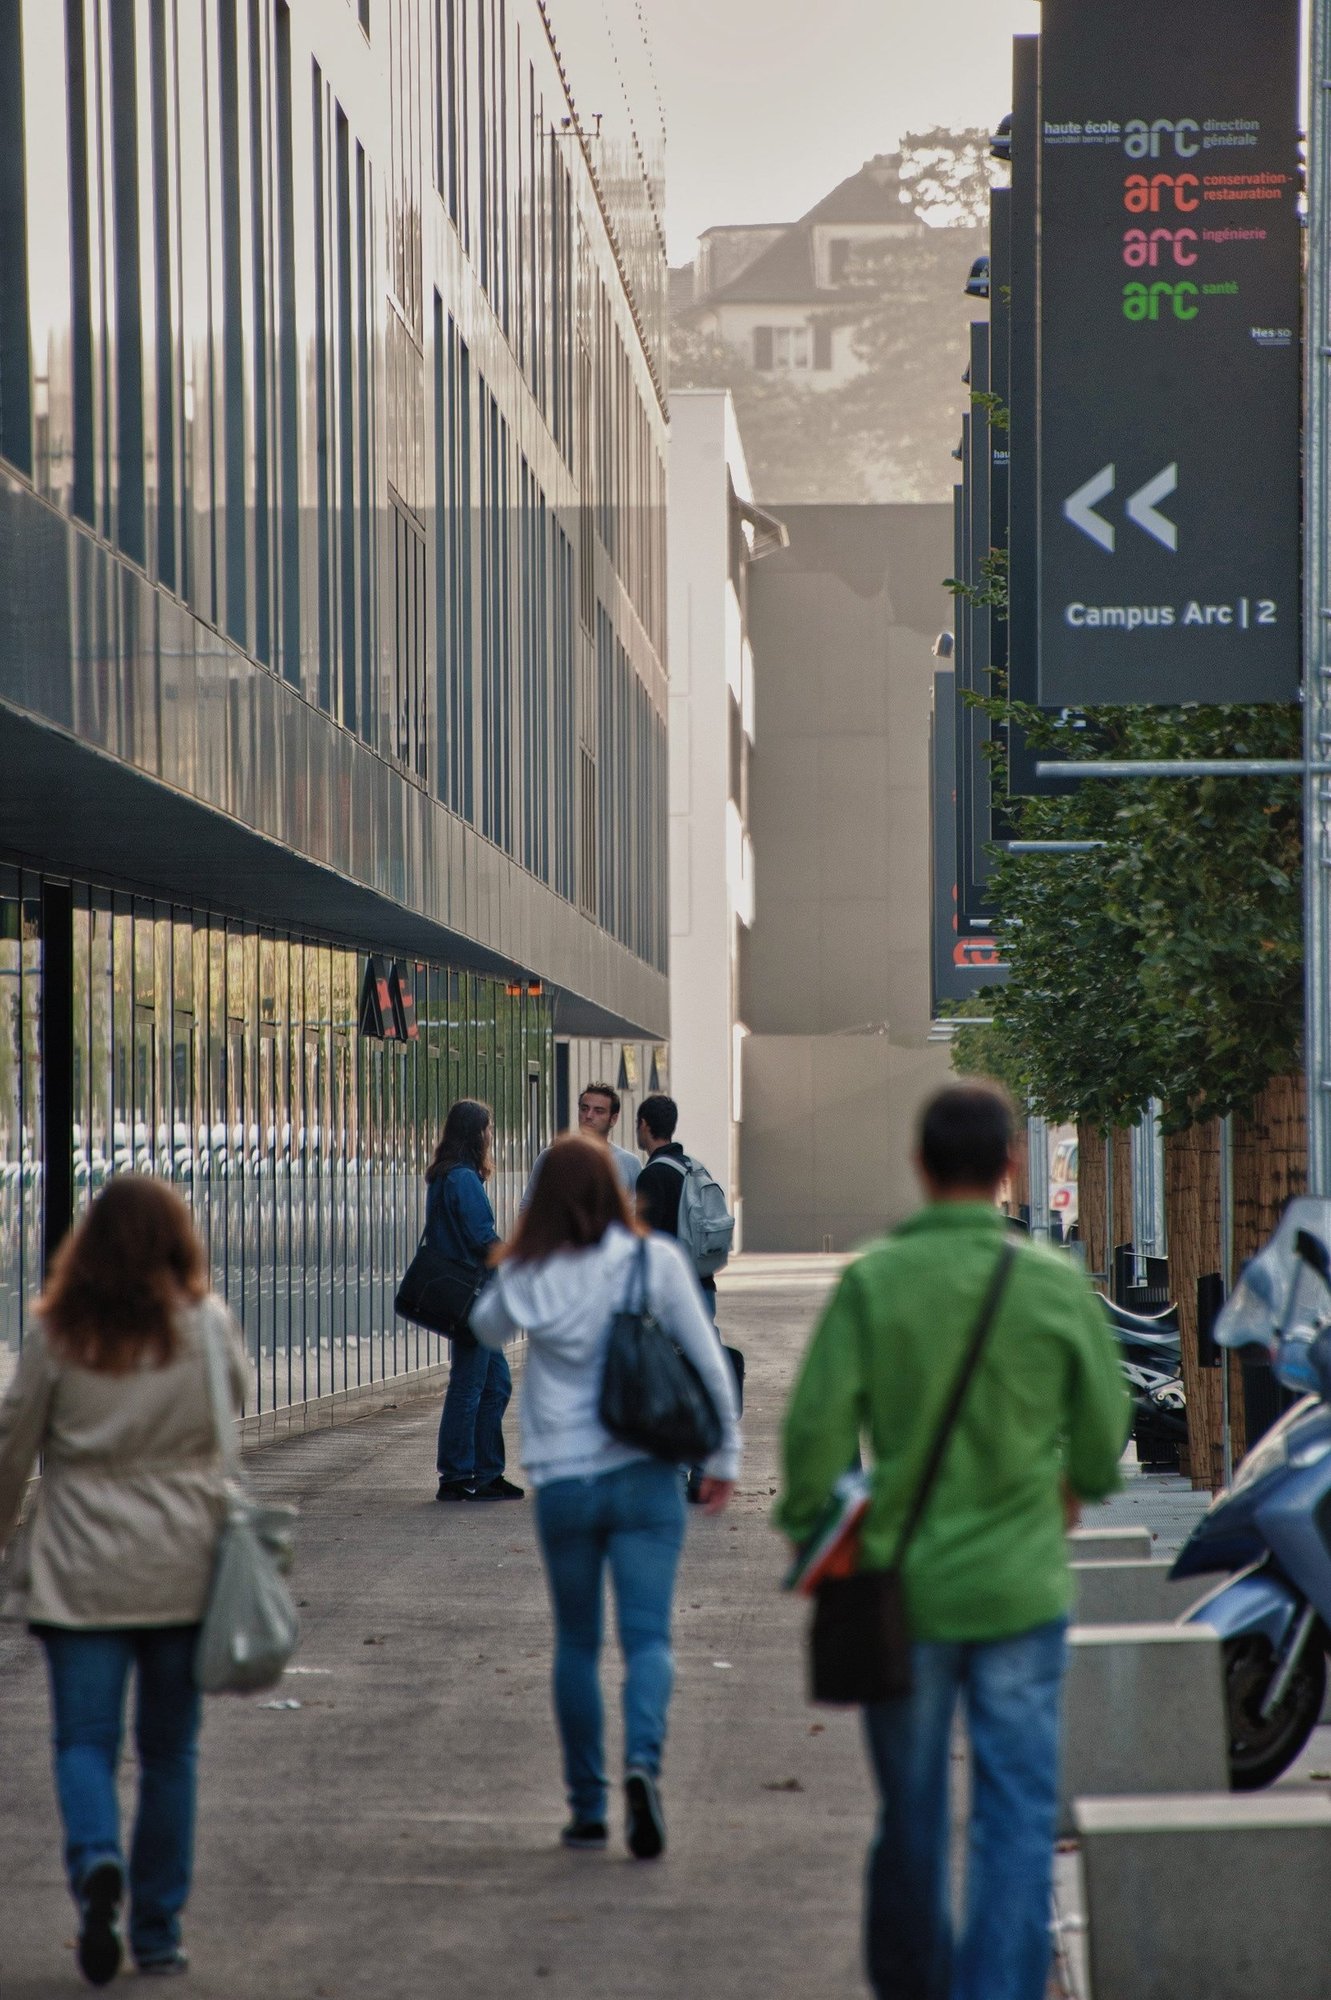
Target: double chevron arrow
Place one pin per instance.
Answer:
(1140, 507)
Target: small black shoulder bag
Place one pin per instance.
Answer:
(860, 1641)
(652, 1396)
(439, 1292)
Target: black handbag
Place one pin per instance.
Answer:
(860, 1639)
(652, 1396)
(439, 1292)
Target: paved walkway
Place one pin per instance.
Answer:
(395, 1835)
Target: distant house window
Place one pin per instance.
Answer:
(838, 256)
(789, 347)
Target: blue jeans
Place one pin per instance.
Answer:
(1011, 1689)
(88, 1672)
(471, 1426)
(634, 1520)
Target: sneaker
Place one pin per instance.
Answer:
(99, 1932)
(498, 1489)
(585, 1833)
(154, 1967)
(645, 1830)
(455, 1489)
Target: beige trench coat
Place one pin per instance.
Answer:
(124, 1525)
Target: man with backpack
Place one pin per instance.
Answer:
(678, 1197)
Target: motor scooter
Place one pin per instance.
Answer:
(1270, 1529)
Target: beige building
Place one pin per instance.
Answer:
(835, 985)
(715, 535)
(786, 296)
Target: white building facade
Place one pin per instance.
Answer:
(715, 532)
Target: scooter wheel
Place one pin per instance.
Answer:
(1260, 1748)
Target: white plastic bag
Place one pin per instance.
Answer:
(250, 1627)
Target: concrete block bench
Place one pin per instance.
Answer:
(1132, 1593)
(1143, 1712)
(1222, 1895)
(1109, 1544)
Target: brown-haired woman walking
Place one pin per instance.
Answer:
(113, 1567)
(577, 1259)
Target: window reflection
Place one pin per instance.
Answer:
(228, 1060)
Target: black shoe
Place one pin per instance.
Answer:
(454, 1489)
(645, 1831)
(99, 1932)
(498, 1489)
(178, 1962)
(585, 1833)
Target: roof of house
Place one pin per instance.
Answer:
(785, 271)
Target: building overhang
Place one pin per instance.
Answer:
(140, 749)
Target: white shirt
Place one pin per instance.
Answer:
(628, 1165)
(565, 1304)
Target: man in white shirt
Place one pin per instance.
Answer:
(598, 1114)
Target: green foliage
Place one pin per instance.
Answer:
(988, 1050)
(992, 588)
(1167, 963)
(995, 409)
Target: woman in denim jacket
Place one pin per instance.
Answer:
(460, 1223)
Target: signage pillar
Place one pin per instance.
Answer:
(1317, 621)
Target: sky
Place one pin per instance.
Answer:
(769, 103)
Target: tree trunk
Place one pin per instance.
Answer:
(1091, 1198)
(1270, 1165)
(1192, 1220)
(1120, 1201)
(1101, 1230)
(1019, 1182)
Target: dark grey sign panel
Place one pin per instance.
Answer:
(964, 958)
(1169, 351)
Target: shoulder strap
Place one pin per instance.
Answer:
(934, 1462)
(219, 1392)
(664, 1160)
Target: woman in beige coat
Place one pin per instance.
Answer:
(112, 1567)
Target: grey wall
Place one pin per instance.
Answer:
(836, 970)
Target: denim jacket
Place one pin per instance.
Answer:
(459, 1221)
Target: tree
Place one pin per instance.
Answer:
(1166, 963)
(949, 175)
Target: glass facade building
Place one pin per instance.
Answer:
(332, 606)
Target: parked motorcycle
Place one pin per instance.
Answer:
(1149, 1345)
(1270, 1530)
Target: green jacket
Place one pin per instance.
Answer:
(1047, 1404)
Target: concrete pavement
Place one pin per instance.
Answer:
(395, 1835)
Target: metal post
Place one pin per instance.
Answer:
(1148, 1190)
(1109, 1213)
(1159, 1231)
(1317, 615)
(1037, 1175)
(1227, 1279)
(1181, 767)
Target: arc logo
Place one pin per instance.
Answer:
(1140, 508)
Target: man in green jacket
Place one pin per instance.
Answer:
(986, 1579)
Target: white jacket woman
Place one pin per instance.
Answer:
(570, 1267)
